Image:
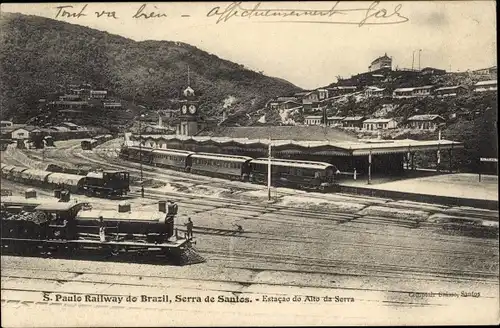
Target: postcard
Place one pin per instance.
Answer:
(228, 163)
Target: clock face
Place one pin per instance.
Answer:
(192, 109)
(184, 109)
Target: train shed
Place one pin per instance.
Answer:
(350, 155)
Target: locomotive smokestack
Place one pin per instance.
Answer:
(162, 206)
(30, 193)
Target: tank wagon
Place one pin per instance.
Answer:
(103, 183)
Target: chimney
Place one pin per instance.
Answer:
(162, 206)
(123, 207)
(30, 193)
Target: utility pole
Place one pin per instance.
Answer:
(269, 172)
(140, 153)
(439, 151)
(412, 60)
(370, 167)
(419, 52)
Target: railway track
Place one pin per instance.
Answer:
(106, 283)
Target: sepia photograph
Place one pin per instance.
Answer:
(287, 163)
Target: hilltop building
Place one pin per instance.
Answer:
(381, 63)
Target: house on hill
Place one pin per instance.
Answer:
(21, 131)
(425, 122)
(432, 71)
(486, 71)
(335, 121)
(379, 124)
(374, 92)
(486, 86)
(450, 91)
(414, 92)
(98, 94)
(353, 122)
(313, 120)
(70, 126)
(341, 90)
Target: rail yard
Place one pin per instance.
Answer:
(341, 256)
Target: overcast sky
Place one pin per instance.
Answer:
(456, 34)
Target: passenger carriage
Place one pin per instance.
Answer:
(223, 166)
(172, 159)
(294, 173)
(138, 154)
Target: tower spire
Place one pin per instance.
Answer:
(188, 77)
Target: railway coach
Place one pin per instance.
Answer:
(172, 159)
(137, 154)
(294, 173)
(222, 166)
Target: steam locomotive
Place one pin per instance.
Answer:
(31, 223)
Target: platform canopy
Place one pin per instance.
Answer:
(327, 148)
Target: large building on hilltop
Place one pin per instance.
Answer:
(381, 63)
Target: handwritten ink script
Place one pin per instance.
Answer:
(143, 12)
(374, 14)
(339, 13)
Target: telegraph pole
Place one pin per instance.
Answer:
(419, 52)
(140, 153)
(439, 151)
(412, 60)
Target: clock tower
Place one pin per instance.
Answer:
(189, 113)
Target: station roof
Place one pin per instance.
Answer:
(325, 147)
(292, 163)
(229, 158)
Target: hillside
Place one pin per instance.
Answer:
(38, 55)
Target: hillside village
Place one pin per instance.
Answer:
(372, 101)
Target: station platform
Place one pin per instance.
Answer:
(448, 188)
